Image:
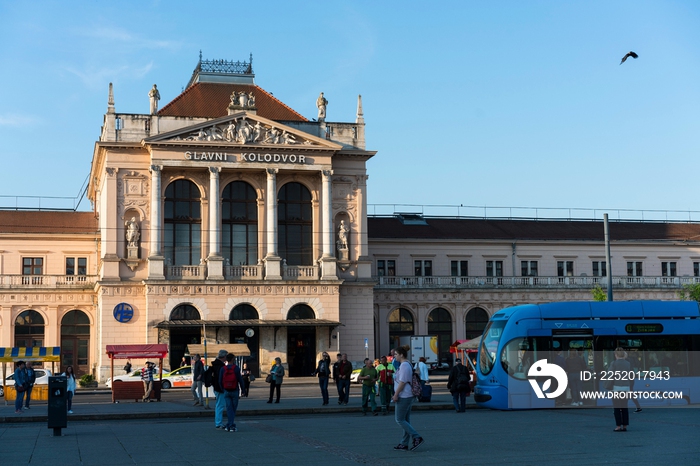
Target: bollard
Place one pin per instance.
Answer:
(58, 416)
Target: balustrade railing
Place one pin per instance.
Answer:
(533, 282)
(300, 272)
(49, 281)
(243, 272)
(185, 272)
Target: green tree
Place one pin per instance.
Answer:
(690, 292)
(599, 294)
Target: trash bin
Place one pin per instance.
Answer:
(58, 416)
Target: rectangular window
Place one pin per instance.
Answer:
(423, 268)
(386, 268)
(494, 268)
(668, 269)
(565, 268)
(599, 269)
(32, 269)
(528, 268)
(634, 269)
(459, 268)
(696, 269)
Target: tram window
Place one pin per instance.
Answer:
(489, 345)
(519, 354)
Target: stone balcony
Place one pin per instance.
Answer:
(391, 282)
(241, 272)
(48, 281)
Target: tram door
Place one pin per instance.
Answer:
(578, 352)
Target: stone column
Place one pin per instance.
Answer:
(327, 213)
(328, 263)
(215, 262)
(364, 264)
(272, 260)
(155, 257)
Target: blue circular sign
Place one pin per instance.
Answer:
(123, 312)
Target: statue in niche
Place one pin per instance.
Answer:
(342, 235)
(132, 233)
(321, 103)
(154, 97)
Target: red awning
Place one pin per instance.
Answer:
(137, 351)
(453, 346)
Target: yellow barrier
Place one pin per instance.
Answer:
(39, 393)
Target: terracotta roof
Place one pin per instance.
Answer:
(572, 230)
(211, 100)
(31, 221)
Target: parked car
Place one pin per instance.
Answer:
(181, 377)
(134, 376)
(42, 378)
(439, 366)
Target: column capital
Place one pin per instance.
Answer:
(112, 171)
(214, 171)
(327, 173)
(271, 172)
(155, 168)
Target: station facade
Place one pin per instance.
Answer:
(228, 216)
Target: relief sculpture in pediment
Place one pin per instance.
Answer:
(242, 131)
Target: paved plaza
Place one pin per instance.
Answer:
(300, 431)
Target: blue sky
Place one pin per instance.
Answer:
(512, 104)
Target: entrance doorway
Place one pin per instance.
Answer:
(301, 351)
(180, 338)
(75, 340)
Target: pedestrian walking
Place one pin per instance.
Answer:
(368, 376)
(336, 375)
(458, 383)
(421, 369)
(31, 380)
(20, 385)
(386, 383)
(230, 381)
(277, 373)
(70, 388)
(214, 369)
(620, 366)
(197, 380)
(403, 397)
(344, 373)
(323, 370)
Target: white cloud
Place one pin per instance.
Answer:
(15, 120)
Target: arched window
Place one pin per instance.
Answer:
(440, 324)
(294, 224)
(475, 322)
(300, 311)
(29, 329)
(183, 223)
(75, 341)
(243, 312)
(185, 312)
(400, 325)
(239, 224)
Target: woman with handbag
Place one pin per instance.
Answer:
(277, 373)
(20, 385)
(622, 413)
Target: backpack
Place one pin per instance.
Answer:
(416, 388)
(386, 376)
(208, 377)
(229, 381)
(463, 380)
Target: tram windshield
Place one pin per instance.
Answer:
(489, 345)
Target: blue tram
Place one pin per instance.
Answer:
(662, 339)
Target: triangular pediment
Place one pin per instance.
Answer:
(243, 129)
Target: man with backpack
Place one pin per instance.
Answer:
(230, 381)
(386, 383)
(211, 379)
(458, 384)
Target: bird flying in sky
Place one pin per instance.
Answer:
(630, 54)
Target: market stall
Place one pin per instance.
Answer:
(133, 390)
(50, 354)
